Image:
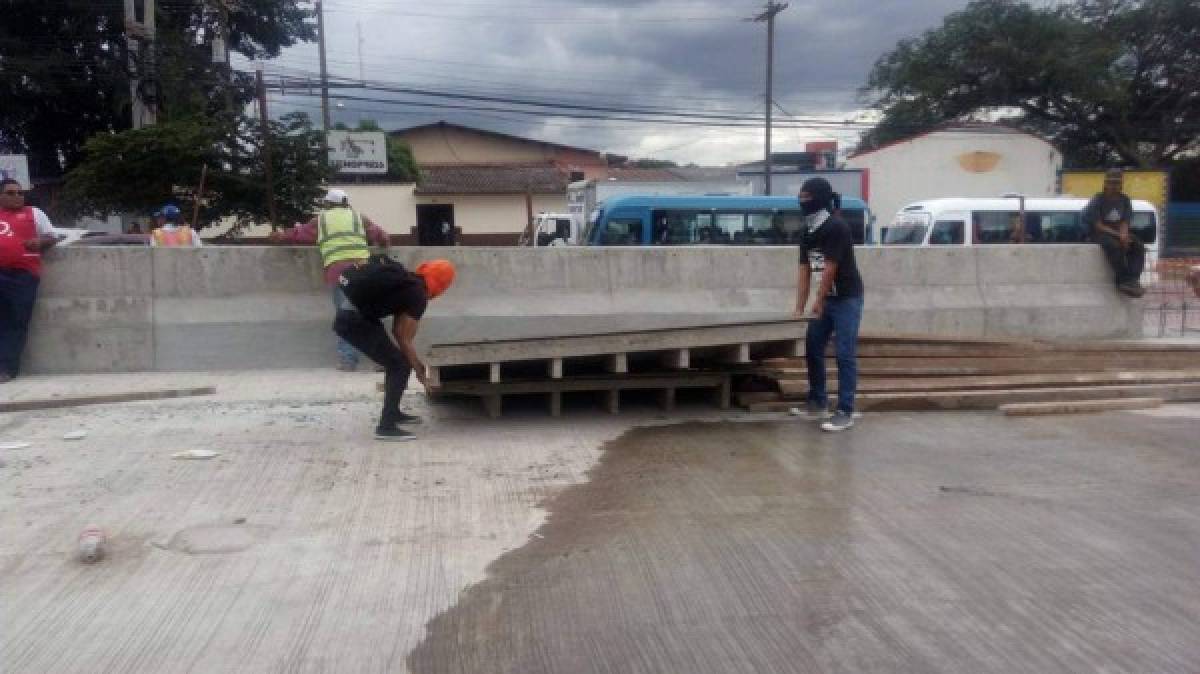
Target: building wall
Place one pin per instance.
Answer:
(958, 164)
(487, 216)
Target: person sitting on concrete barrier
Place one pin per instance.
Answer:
(1108, 215)
(174, 232)
(828, 247)
(373, 291)
(344, 237)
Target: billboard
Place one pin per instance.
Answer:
(16, 167)
(1148, 185)
(360, 152)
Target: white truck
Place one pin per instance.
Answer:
(584, 197)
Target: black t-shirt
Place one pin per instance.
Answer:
(379, 289)
(1111, 212)
(833, 241)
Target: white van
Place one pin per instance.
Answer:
(974, 221)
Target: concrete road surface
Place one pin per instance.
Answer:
(914, 543)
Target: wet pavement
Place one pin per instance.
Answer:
(925, 543)
(933, 542)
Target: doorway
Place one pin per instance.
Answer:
(435, 224)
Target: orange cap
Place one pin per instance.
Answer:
(438, 275)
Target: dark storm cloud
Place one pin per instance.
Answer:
(684, 54)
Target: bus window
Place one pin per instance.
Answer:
(1056, 227)
(948, 233)
(622, 232)
(1143, 227)
(792, 225)
(995, 226)
(761, 229)
(731, 228)
(856, 218)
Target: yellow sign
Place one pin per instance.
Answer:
(1146, 185)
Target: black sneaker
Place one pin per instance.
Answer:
(403, 419)
(1132, 289)
(394, 435)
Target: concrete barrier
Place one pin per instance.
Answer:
(137, 309)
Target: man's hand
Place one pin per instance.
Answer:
(1123, 237)
(423, 377)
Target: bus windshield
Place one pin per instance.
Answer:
(908, 229)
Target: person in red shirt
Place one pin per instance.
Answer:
(25, 233)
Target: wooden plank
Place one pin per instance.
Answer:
(494, 373)
(667, 399)
(634, 382)
(556, 368)
(901, 338)
(617, 363)
(612, 401)
(1079, 406)
(977, 400)
(677, 359)
(104, 399)
(1031, 364)
(556, 398)
(866, 385)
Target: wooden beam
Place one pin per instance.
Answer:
(1079, 406)
(617, 363)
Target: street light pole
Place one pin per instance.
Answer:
(768, 16)
(324, 69)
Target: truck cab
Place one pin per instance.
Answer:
(553, 229)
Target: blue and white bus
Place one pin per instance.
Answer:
(727, 221)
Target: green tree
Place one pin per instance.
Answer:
(137, 170)
(65, 71)
(1106, 80)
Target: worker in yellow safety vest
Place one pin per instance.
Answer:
(174, 233)
(344, 237)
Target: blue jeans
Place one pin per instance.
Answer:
(346, 352)
(18, 291)
(840, 320)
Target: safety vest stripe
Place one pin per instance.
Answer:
(342, 249)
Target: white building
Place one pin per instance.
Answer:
(963, 160)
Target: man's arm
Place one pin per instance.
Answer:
(803, 282)
(376, 235)
(46, 238)
(304, 235)
(404, 329)
(825, 286)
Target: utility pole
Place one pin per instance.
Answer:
(140, 36)
(266, 132)
(220, 52)
(324, 70)
(772, 10)
(362, 77)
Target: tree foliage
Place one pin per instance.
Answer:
(138, 170)
(1106, 80)
(65, 67)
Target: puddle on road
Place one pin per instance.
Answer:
(679, 530)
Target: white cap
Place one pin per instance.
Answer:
(336, 196)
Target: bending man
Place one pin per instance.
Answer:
(384, 288)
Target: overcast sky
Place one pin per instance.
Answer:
(679, 54)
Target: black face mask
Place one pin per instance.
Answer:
(810, 207)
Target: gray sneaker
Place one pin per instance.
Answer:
(393, 435)
(839, 422)
(811, 411)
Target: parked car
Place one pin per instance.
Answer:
(106, 239)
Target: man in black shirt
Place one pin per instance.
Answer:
(379, 288)
(1107, 217)
(828, 247)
